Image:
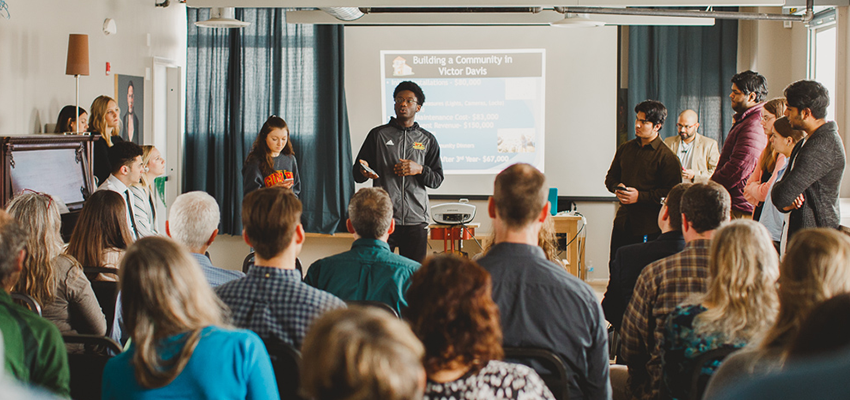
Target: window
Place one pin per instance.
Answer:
(822, 53)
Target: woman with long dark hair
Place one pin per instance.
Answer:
(101, 234)
(271, 161)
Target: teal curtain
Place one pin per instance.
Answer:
(684, 67)
(236, 79)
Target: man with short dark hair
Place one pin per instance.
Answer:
(643, 171)
(404, 159)
(745, 141)
(630, 260)
(369, 271)
(34, 350)
(541, 305)
(272, 300)
(127, 170)
(668, 282)
(809, 188)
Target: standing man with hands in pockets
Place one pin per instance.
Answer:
(404, 159)
(642, 173)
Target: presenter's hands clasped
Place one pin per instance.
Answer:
(688, 174)
(629, 195)
(406, 168)
(367, 173)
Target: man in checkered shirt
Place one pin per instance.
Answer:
(272, 300)
(666, 283)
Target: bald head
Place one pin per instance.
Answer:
(687, 125)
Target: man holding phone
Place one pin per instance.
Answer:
(642, 173)
(404, 159)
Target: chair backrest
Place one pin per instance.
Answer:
(370, 303)
(106, 293)
(555, 375)
(698, 380)
(87, 367)
(27, 301)
(249, 261)
(286, 362)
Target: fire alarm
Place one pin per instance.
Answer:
(109, 27)
(108, 68)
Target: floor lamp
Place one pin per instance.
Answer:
(77, 64)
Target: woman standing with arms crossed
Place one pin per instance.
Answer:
(271, 161)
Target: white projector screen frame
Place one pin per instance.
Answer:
(580, 94)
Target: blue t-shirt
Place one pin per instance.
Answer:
(226, 364)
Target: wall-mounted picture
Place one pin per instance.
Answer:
(130, 94)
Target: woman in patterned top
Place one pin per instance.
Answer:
(451, 310)
(739, 304)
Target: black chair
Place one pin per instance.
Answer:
(87, 367)
(549, 366)
(107, 294)
(27, 302)
(249, 261)
(93, 272)
(286, 362)
(369, 303)
(698, 381)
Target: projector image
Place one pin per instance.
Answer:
(453, 213)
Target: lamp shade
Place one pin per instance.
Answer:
(78, 55)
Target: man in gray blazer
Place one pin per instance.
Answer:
(809, 189)
(697, 153)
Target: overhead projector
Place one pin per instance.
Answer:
(453, 213)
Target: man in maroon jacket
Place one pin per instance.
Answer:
(745, 141)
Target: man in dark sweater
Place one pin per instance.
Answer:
(745, 141)
(630, 260)
(642, 172)
(809, 188)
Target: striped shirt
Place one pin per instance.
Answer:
(274, 303)
(661, 287)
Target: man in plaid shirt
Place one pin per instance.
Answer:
(668, 282)
(272, 300)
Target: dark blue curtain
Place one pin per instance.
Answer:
(684, 67)
(236, 79)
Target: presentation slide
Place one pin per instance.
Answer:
(485, 107)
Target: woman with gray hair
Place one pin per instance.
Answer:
(54, 279)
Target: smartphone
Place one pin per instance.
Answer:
(621, 187)
(369, 170)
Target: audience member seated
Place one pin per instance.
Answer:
(825, 332)
(630, 260)
(67, 121)
(361, 353)
(369, 271)
(816, 267)
(146, 200)
(452, 312)
(14, 390)
(181, 347)
(740, 303)
(665, 284)
(272, 300)
(193, 222)
(127, 169)
(540, 303)
(54, 279)
(783, 140)
(546, 239)
(101, 236)
(34, 351)
(769, 162)
(105, 121)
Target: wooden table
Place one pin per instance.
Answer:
(449, 233)
(569, 225)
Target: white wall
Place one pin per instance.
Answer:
(33, 49)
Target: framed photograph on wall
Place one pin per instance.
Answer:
(130, 94)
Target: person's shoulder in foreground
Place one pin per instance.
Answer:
(226, 364)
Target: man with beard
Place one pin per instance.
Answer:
(745, 140)
(697, 153)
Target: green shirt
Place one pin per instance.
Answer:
(369, 271)
(34, 350)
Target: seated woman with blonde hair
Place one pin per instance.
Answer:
(181, 346)
(451, 310)
(361, 353)
(54, 279)
(739, 304)
(815, 268)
